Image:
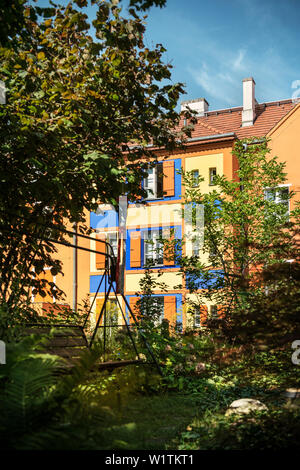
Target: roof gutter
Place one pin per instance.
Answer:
(193, 139)
(210, 137)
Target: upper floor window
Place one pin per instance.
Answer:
(195, 246)
(153, 183)
(154, 248)
(160, 181)
(279, 195)
(195, 176)
(150, 247)
(212, 174)
(102, 249)
(112, 239)
(197, 318)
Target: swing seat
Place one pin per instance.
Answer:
(111, 365)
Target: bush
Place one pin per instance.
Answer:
(269, 430)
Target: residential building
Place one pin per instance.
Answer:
(208, 153)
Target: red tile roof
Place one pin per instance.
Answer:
(230, 120)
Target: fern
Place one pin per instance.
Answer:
(26, 383)
(40, 409)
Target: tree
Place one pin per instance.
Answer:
(248, 233)
(80, 114)
(148, 308)
(11, 19)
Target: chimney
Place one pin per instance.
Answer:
(200, 105)
(248, 115)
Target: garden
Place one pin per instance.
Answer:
(136, 408)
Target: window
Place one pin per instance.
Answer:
(274, 274)
(158, 308)
(101, 248)
(112, 311)
(153, 183)
(195, 176)
(112, 239)
(212, 174)
(197, 317)
(213, 312)
(279, 195)
(154, 247)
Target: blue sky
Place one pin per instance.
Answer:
(214, 44)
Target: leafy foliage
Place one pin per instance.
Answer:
(40, 408)
(80, 114)
(149, 311)
(246, 235)
(12, 19)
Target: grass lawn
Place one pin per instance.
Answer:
(149, 423)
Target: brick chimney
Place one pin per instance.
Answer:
(248, 114)
(200, 105)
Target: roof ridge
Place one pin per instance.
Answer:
(239, 108)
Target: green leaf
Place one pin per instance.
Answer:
(39, 94)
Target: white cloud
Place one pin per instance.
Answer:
(219, 86)
(220, 74)
(237, 63)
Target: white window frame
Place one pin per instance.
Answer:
(195, 175)
(155, 235)
(277, 198)
(211, 182)
(107, 239)
(161, 300)
(105, 247)
(153, 186)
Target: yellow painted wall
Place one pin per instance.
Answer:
(203, 163)
(154, 214)
(171, 279)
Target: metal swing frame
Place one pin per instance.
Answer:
(110, 277)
